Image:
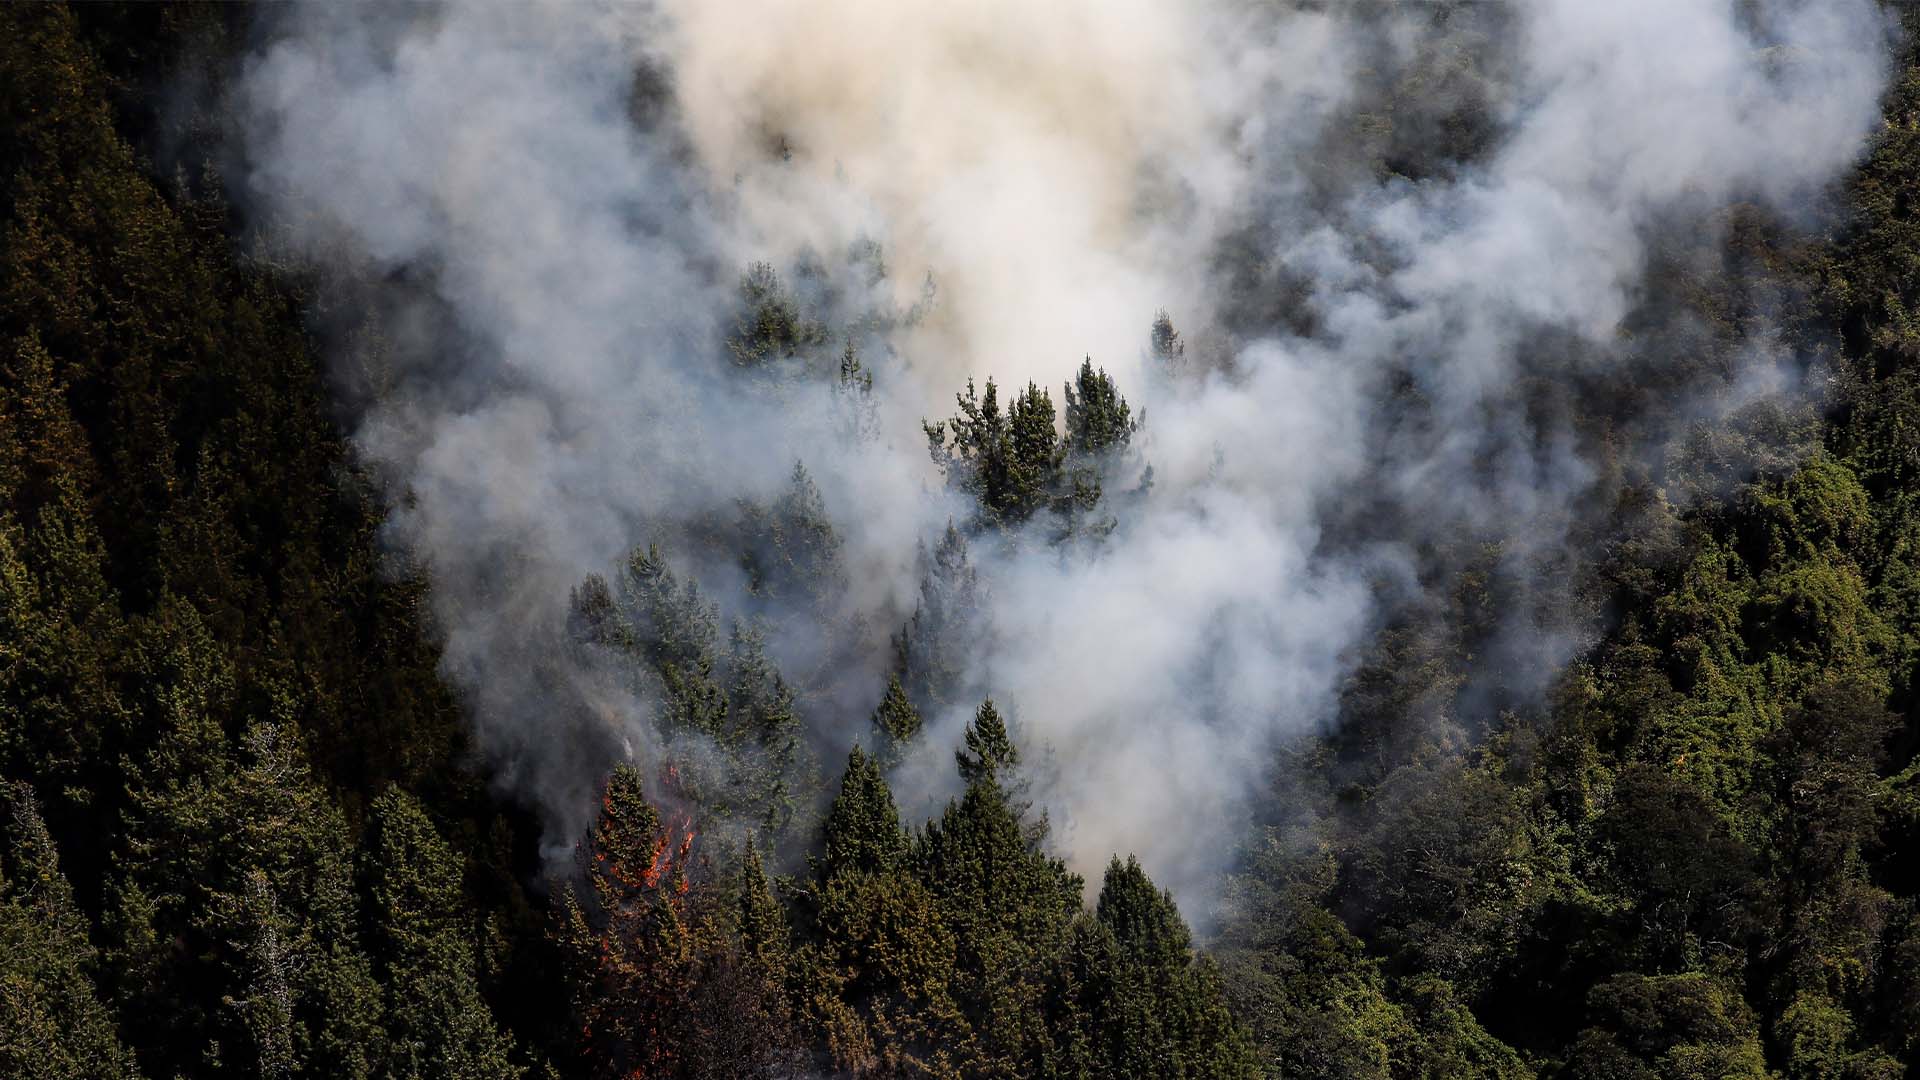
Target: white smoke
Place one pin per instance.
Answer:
(1061, 171)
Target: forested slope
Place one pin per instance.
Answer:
(243, 835)
(1694, 858)
(246, 835)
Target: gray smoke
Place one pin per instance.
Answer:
(552, 203)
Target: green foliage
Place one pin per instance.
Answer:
(1159, 1011)
(1012, 464)
(988, 752)
(862, 832)
(1694, 857)
(206, 665)
(770, 327)
(793, 549)
(52, 1023)
(1165, 346)
(896, 722)
(424, 949)
(1671, 1027)
(1015, 466)
(932, 652)
(1691, 858)
(664, 638)
(1098, 421)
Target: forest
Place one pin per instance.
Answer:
(797, 700)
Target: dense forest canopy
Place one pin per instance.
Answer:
(1249, 539)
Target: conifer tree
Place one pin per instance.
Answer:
(879, 974)
(770, 326)
(659, 987)
(440, 1027)
(59, 702)
(933, 651)
(896, 723)
(763, 728)
(243, 858)
(1098, 420)
(1010, 905)
(853, 394)
(863, 831)
(759, 921)
(1099, 432)
(1010, 463)
(1165, 346)
(793, 550)
(988, 751)
(1162, 1014)
(632, 938)
(52, 1023)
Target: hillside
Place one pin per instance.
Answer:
(461, 617)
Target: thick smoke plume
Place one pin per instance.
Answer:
(550, 205)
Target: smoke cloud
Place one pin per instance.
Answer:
(543, 210)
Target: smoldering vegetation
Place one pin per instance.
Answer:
(1386, 363)
(703, 539)
(600, 271)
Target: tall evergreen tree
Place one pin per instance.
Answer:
(863, 830)
(896, 723)
(988, 751)
(1162, 1013)
(423, 944)
(933, 651)
(1010, 905)
(52, 1023)
(632, 939)
(1010, 463)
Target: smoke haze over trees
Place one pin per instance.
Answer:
(907, 539)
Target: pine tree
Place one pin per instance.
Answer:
(675, 632)
(759, 921)
(1009, 904)
(770, 326)
(1098, 420)
(1011, 463)
(439, 1025)
(745, 1018)
(660, 989)
(1035, 459)
(863, 832)
(879, 973)
(989, 751)
(896, 723)
(59, 699)
(853, 395)
(52, 1024)
(793, 550)
(633, 939)
(1099, 432)
(932, 653)
(1165, 346)
(1162, 1014)
(243, 858)
(773, 765)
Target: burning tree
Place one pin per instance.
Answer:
(661, 988)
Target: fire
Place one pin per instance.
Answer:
(650, 877)
(667, 855)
